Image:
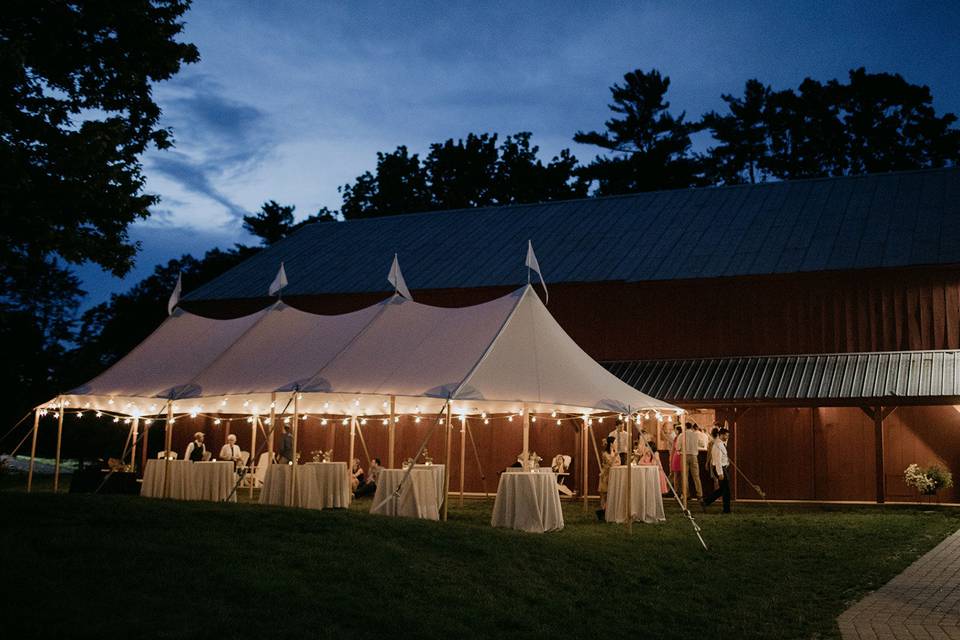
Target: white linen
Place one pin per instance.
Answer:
(212, 481)
(647, 502)
(320, 485)
(421, 496)
(528, 501)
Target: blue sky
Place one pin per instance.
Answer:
(292, 99)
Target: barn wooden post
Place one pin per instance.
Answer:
(878, 414)
(33, 448)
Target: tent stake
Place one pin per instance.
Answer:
(392, 433)
(33, 448)
(446, 482)
(56, 469)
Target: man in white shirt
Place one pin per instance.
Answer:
(691, 446)
(720, 463)
(621, 435)
(231, 451)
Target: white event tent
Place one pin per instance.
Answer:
(507, 356)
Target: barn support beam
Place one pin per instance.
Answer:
(878, 414)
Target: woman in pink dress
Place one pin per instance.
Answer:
(649, 457)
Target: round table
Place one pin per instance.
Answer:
(528, 501)
(647, 502)
(421, 496)
(320, 485)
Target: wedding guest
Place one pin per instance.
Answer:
(230, 451)
(286, 454)
(356, 474)
(721, 465)
(608, 459)
(196, 449)
(691, 443)
(369, 486)
(621, 434)
(709, 461)
(648, 456)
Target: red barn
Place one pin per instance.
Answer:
(819, 318)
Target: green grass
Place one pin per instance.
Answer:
(80, 564)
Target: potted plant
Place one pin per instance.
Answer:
(927, 481)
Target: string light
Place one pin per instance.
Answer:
(486, 421)
(345, 421)
(510, 418)
(148, 422)
(323, 421)
(79, 414)
(396, 419)
(217, 421)
(363, 421)
(386, 421)
(553, 414)
(266, 421)
(99, 414)
(417, 419)
(172, 420)
(533, 418)
(250, 420)
(286, 420)
(483, 414)
(115, 420)
(558, 423)
(304, 417)
(110, 401)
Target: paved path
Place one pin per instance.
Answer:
(922, 603)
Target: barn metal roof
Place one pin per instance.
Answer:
(893, 377)
(883, 220)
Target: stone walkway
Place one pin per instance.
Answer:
(921, 603)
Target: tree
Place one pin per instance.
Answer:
(651, 147)
(470, 172)
(742, 134)
(272, 223)
(76, 113)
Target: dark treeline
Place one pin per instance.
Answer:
(72, 184)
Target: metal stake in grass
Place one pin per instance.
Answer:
(756, 487)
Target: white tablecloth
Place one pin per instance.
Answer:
(644, 494)
(528, 501)
(212, 481)
(421, 496)
(320, 485)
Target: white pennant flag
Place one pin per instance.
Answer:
(279, 282)
(396, 279)
(175, 296)
(533, 264)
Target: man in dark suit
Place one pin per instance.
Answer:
(286, 453)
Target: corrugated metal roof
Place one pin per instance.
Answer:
(884, 220)
(892, 377)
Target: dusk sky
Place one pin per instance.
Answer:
(293, 99)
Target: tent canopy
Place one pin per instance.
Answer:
(492, 357)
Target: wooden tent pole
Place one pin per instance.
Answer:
(463, 455)
(33, 448)
(252, 479)
(683, 462)
(363, 443)
(353, 436)
(167, 440)
(135, 432)
(145, 449)
(526, 433)
(291, 496)
(56, 468)
(476, 455)
(629, 428)
(271, 431)
(585, 463)
(392, 434)
(446, 472)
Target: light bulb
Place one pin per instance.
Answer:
(486, 421)
(385, 421)
(558, 423)
(553, 414)
(417, 419)
(363, 421)
(533, 418)
(510, 418)
(217, 421)
(323, 421)
(345, 421)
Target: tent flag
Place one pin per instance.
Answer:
(533, 264)
(279, 282)
(175, 296)
(396, 279)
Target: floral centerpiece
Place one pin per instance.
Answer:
(322, 456)
(927, 481)
(531, 463)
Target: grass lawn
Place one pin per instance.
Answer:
(82, 564)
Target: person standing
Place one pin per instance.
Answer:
(676, 464)
(286, 454)
(721, 466)
(196, 449)
(608, 459)
(230, 451)
(691, 444)
(621, 435)
(708, 463)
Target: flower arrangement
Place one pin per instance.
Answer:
(322, 456)
(927, 481)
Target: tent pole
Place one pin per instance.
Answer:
(273, 417)
(135, 430)
(353, 436)
(526, 432)
(363, 443)
(33, 448)
(145, 449)
(167, 439)
(463, 455)
(56, 468)
(392, 433)
(683, 463)
(446, 482)
(630, 473)
(585, 464)
(252, 480)
(292, 499)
